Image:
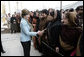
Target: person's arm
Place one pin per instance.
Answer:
(26, 30)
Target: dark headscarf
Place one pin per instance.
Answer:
(54, 28)
(58, 18)
(45, 11)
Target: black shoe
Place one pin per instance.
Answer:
(3, 52)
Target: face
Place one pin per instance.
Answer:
(37, 14)
(80, 11)
(31, 13)
(13, 15)
(18, 14)
(49, 18)
(8, 14)
(64, 20)
(44, 15)
(40, 16)
(55, 16)
(50, 10)
(27, 16)
(62, 11)
(14, 12)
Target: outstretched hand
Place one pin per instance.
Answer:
(57, 49)
(40, 33)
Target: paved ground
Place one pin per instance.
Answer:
(12, 46)
(11, 43)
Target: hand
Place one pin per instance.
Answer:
(40, 33)
(57, 49)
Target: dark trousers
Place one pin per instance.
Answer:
(26, 48)
(1, 47)
(18, 25)
(13, 28)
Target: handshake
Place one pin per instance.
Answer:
(40, 33)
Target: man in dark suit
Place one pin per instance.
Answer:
(13, 24)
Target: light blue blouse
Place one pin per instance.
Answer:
(25, 31)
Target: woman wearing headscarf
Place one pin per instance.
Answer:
(53, 30)
(70, 33)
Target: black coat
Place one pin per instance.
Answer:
(13, 19)
(53, 34)
(54, 28)
(81, 45)
(13, 23)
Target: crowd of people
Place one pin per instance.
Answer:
(13, 22)
(55, 32)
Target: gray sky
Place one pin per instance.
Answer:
(33, 5)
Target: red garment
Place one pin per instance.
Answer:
(73, 53)
(34, 25)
